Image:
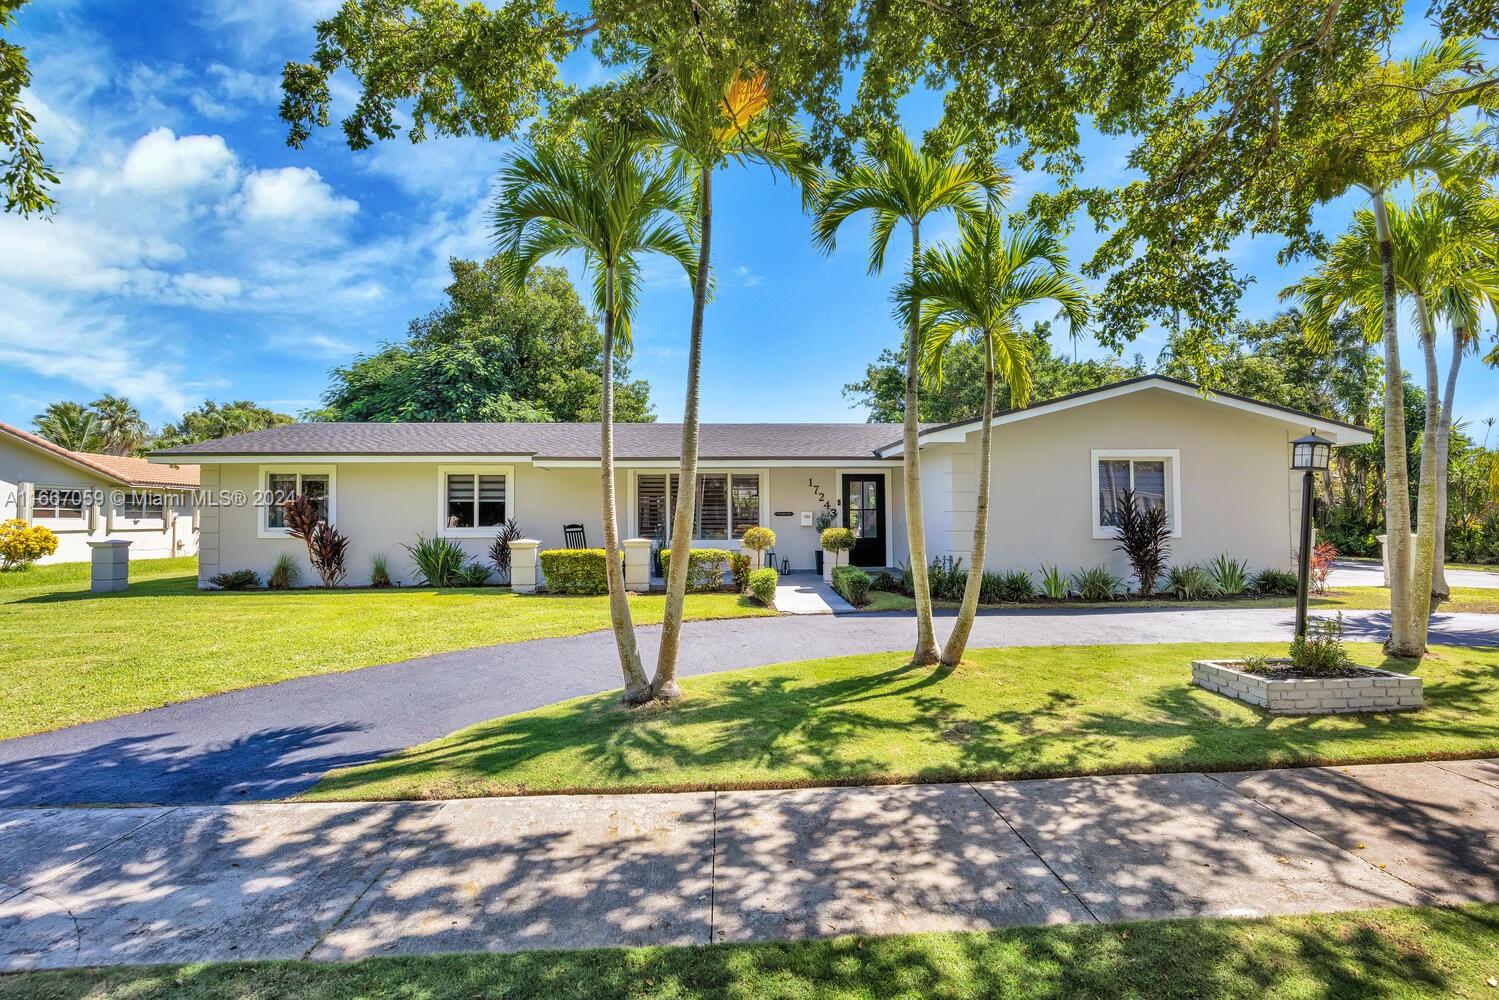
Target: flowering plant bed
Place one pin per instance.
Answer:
(1284, 689)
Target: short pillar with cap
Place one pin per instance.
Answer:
(523, 569)
(110, 570)
(637, 564)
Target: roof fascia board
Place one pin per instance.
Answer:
(336, 458)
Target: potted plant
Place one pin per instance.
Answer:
(824, 521)
(836, 541)
(758, 540)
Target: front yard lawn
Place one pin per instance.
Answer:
(1008, 713)
(1397, 954)
(1477, 600)
(67, 656)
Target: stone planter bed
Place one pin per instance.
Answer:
(1367, 690)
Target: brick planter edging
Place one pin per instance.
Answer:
(1383, 691)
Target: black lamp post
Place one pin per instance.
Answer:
(1309, 455)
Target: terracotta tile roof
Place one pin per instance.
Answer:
(121, 468)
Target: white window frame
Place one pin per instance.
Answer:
(508, 471)
(262, 487)
(1172, 458)
(763, 475)
(119, 522)
(65, 525)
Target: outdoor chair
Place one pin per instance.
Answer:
(575, 536)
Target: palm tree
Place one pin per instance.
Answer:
(70, 425)
(903, 183)
(704, 125)
(975, 290)
(600, 198)
(124, 429)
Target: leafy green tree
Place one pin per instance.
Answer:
(24, 174)
(974, 291)
(904, 184)
(491, 352)
(961, 394)
(602, 199)
(70, 425)
(210, 421)
(124, 429)
(707, 118)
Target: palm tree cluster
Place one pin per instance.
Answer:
(621, 190)
(110, 425)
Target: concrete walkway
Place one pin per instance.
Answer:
(274, 741)
(349, 881)
(1350, 573)
(808, 594)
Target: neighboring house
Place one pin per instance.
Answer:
(1219, 463)
(86, 497)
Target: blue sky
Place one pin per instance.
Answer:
(194, 255)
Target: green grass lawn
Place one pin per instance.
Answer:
(1006, 713)
(67, 656)
(1478, 600)
(1397, 954)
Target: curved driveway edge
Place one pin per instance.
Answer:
(274, 741)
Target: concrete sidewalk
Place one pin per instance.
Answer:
(346, 881)
(808, 594)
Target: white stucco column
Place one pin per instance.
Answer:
(524, 570)
(637, 564)
(23, 501)
(110, 570)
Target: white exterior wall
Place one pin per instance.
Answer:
(150, 539)
(1233, 471)
(381, 505)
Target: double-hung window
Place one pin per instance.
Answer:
(59, 503)
(278, 485)
(473, 500)
(139, 506)
(1153, 476)
(727, 505)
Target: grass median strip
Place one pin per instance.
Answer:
(1397, 954)
(868, 719)
(68, 656)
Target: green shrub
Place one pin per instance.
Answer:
(1230, 576)
(1012, 587)
(888, 582)
(475, 574)
(576, 571)
(284, 574)
(946, 577)
(379, 570)
(853, 583)
(758, 539)
(837, 539)
(707, 569)
(1275, 581)
(1191, 583)
(240, 579)
(1053, 582)
(438, 560)
(1098, 583)
(739, 569)
(1321, 650)
(22, 544)
(762, 585)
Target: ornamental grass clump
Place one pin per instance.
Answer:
(1054, 583)
(1097, 584)
(285, 574)
(1191, 583)
(1230, 576)
(379, 570)
(438, 560)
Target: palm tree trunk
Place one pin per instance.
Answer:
(1439, 586)
(1397, 480)
(926, 639)
(664, 684)
(957, 642)
(1426, 498)
(637, 685)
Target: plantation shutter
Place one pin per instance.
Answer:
(745, 495)
(460, 501)
(491, 501)
(712, 508)
(650, 506)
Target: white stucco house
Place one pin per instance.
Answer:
(1219, 463)
(87, 497)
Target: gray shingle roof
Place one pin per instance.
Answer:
(552, 441)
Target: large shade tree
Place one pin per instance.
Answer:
(209, 421)
(25, 176)
(602, 199)
(975, 290)
(902, 184)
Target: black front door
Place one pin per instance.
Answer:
(864, 515)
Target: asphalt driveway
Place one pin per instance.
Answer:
(274, 741)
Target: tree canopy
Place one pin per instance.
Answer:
(24, 174)
(961, 394)
(209, 421)
(490, 353)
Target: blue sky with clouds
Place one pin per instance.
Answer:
(194, 255)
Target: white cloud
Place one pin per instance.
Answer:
(227, 92)
(162, 162)
(75, 254)
(747, 276)
(295, 196)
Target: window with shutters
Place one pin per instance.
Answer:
(727, 505)
(1154, 476)
(474, 500)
